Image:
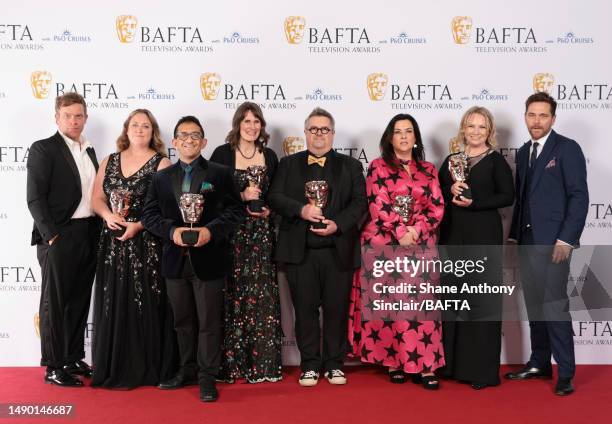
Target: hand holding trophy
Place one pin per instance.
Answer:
(317, 193)
(255, 175)
(403, 205)
(191, 206)
(120, 200)
(459, 168)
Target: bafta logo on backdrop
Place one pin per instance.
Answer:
(210, 82)
(294, 29)
(461, 26)
(543, 82)
(41, 84)
(293, 145)
(377, 85)
(126, 28)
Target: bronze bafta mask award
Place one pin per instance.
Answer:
(459, 168)
(255, 175)
(191, 206)
(403, 205)
(120, 200)
(317, 193)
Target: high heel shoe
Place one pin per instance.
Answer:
(397, 376)
(429, 382)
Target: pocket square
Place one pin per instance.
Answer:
(206, 187)
(551, 164)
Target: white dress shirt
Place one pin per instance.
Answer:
(87, 173)
(540, 142)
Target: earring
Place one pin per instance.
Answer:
(414, 146)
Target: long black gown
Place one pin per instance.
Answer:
(252, 333)
(473, 347)
(133, 341)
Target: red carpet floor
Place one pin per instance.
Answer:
(368, 398)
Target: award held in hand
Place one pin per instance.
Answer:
(120, 200)
(317, 193)
(191, 206)
(255, 175)
(403, 205)
(459, 168)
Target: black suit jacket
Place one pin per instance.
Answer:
(347, 206)
(223, 212)
(53, 186)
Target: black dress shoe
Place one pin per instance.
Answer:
(528, 372)
(564, 387)
(208, 393)
(59, 377)
(78, 368)
(178, 381)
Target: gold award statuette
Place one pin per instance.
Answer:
(120, 200)
(459, 168)
(403, 205)
(317, 193)
(191, 206)
(255, 175)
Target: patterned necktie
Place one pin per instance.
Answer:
(319, 161)
(534, 154)
(187, 179)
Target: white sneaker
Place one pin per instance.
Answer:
(335, 377)
(309, 378)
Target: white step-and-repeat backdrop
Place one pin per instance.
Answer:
(363, 61)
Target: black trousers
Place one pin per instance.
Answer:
(550, 323)
(68, 268)
(319, 282)
(197, 307)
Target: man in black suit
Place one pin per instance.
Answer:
(549, 216)
(195, 275)
(319, 262)
(61, 173)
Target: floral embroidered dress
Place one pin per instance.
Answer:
(252, 302)
(133, 341)
(409, 344)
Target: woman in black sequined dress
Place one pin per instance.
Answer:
(133, 341)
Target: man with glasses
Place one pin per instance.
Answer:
(195, 274)
(319, 261)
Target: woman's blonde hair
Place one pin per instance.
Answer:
(458, 143)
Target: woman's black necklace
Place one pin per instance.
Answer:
(247, 157)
